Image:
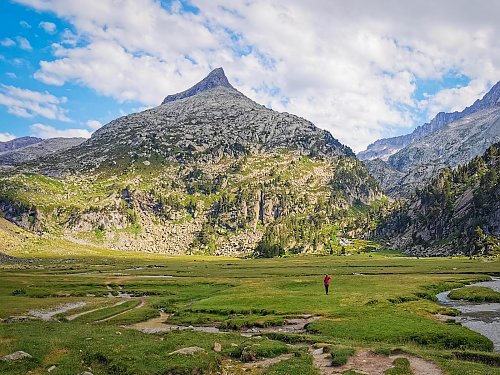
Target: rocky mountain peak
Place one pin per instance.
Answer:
(216, 78)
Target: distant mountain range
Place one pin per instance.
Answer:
(34, 148)
(449, 140)
(18, 143)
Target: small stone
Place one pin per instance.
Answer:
(16, 356)
(217, 347)
(318, 351)
(85, 373)
(188, 351)
(51, 368)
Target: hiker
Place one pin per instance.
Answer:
(326, 281)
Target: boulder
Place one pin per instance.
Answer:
(188, 351)
(16, 356)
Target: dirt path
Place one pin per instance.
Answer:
(235, 367)
(140, 305)
(295, 325)
(158, 325)
(74, 316)
(371, 363)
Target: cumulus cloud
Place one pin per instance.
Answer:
(94, 124)
(28, 103)
(454, 99)
(7, 42)
(350, 67)
(24, 43)
(48, 27)
(25, 24)
(4, 137)
(48, 131)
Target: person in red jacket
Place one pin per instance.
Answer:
(326, 281)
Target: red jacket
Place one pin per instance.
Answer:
(327, 279)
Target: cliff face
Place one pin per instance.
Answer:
(208, 171)
(457, 212)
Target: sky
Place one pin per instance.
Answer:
(361, 69)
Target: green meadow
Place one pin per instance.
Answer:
(380, 302)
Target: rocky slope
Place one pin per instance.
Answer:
(457, 212)
(38, 149)
(18, 143)
(384, 148)
(208, 171)
(450, 145)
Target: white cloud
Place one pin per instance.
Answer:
(27, 103)
(7, 42)
(94, 124)
(4, 137)
(25, 24)
(351, 67)
(48, 131)
(48, 27)
(11, 74)
(24, 43)
(454, 99)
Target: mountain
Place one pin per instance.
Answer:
(216, 78)
(451, 145)
(18, 143)
(207, 171)
(38, 149)
(384, 148)
(457, 212)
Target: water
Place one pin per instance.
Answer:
(483, 318)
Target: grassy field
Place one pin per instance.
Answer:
(379, 301)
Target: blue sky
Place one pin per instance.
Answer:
(358, 69)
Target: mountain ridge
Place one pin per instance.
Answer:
(386, 147)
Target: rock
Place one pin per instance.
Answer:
(188, 351)
(318, 351)
(85, 373)
(51, 368)
(217, 347)
(16, 356)
(248, 355)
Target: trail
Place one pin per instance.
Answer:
(140, 305)
(372, 363)
(74, 316)
(158, 325)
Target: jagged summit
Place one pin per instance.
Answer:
(216, 78)
(385, 147)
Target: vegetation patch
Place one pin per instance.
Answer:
(401, 367)
(475, 294)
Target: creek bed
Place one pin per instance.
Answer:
(483, 318)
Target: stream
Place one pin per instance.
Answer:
(483, 318)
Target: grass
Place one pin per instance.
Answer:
(475, 294)
(377, 301)
(401, 367)
(298, 365)
(340, 355)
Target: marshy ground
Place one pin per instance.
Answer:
(131, 314)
